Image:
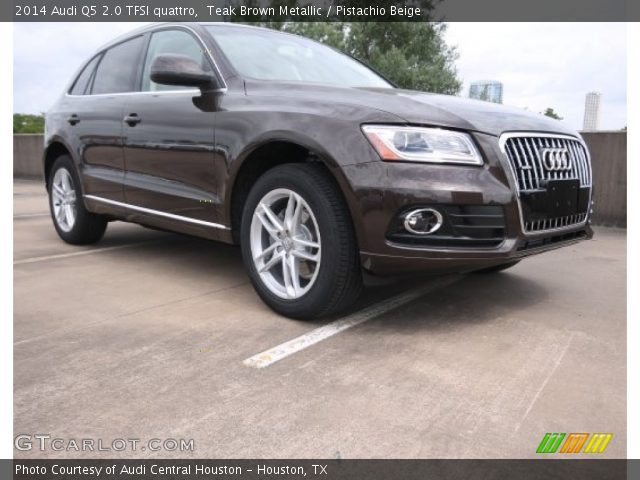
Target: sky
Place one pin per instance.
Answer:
(540, 64)
(545, 65)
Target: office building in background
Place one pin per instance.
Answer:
(592, 111)
(489, 91)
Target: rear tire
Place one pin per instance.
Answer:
(298, 243)
(498, 268)
(73, 222)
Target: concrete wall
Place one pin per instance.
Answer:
(608, 155)
(609, 164)
(27, 155)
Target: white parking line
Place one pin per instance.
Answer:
(77, 254)
(31, 215)
(269, 357)
(556, 363)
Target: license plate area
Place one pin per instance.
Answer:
(560, 198)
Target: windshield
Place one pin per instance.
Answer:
(270, 55)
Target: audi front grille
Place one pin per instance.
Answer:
(536, 159)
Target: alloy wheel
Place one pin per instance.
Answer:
(285, 243)
(63, 200)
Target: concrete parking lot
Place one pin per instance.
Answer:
(145, 335)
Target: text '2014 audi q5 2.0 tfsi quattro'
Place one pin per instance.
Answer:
(314, 164)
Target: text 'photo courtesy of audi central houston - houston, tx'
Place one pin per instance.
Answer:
(319, 168)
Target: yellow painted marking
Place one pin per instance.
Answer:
(607, 439)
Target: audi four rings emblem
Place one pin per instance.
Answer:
(556, 159)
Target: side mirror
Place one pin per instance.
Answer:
(180, 70)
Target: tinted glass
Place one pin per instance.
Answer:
(270, 55)
(80, 86)
(175, 42)
(116, 72)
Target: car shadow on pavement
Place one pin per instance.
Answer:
(471, 298)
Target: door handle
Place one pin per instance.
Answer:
(132, 119)
(73, 119)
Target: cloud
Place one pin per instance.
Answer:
(548, 65)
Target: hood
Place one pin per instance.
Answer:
(466, 113)
(422, 108)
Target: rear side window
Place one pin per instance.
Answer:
(83, 80)
(118, 69)
(174, 42)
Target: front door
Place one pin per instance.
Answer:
(169, 143)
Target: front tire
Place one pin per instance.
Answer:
(73, 222)
(298, 242)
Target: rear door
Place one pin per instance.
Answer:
(169, 142)
(96, 119)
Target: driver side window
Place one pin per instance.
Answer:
(174, 42)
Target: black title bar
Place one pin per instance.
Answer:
(319, 10)
(543, 468)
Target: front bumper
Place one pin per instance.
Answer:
(380, 190)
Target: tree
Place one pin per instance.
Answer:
(24, 123)
(549, 112)
(413, 55)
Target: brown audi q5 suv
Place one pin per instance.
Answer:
(319, 168)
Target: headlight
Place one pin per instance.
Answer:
(415, 144)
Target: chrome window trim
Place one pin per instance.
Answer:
(158, 92)
(158, 213)
(514, 178)
(152, 31)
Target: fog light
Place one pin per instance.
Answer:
(423, 221)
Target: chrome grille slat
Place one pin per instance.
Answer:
(534, 162)
(525, 158)
(528, 166)
(556, 175)
(585, 165)
(579, 166)
(528, 163)
(521, 171)
(544, 143)
(583, 157)
(567, 173)
(578, 169)
(536, 148)
(559, 222)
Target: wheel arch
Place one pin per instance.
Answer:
(268, 153)
(55, 148)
